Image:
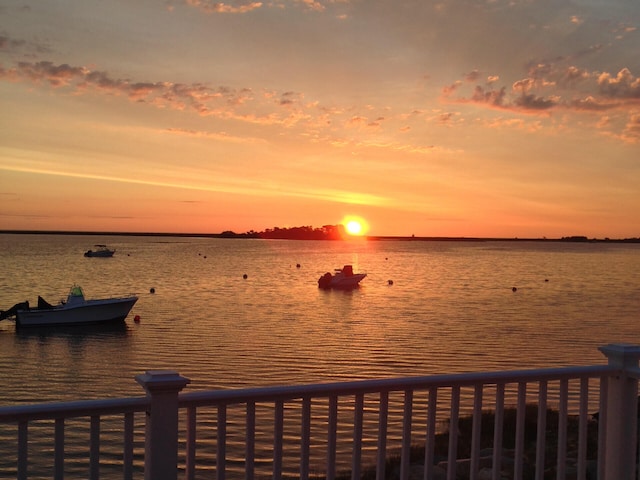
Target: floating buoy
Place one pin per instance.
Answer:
(152, 290)
(136, 319)
(245, 276)
(390, 282)
(546, 279)
(297, 265)
(514, 289)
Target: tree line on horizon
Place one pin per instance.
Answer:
(326, 232)
(338, 232)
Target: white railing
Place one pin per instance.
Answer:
(434, 427)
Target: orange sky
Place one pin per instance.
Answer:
(508, 118)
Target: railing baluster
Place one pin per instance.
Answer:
(94, 448)
(59, 449)
(562, 429)
(429, 446)
(305, 438)
(583, 425)
(250, 441)
(498, 429)
(541, 430)
(453, 433)
(127, 454)
(405, 456)
(519, 441)
(332, 431)
(602, 425)
(190, 453)
(357, 436)
(221, 442)
(383, 415)
(277, 440)
(476, 431)
(23, 449)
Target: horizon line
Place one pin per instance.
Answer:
(227, 234)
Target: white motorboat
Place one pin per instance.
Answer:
(76, 310)
(100, 251)
(343, 278)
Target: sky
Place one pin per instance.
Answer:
(470, 118)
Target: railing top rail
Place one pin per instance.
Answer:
(82, 408)
(44, 411)
(293, 392)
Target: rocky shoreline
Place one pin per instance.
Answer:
(485, 465)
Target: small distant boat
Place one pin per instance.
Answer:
(343, 278)
(100, 251)
(76, 310)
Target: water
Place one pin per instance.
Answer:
(451, 308)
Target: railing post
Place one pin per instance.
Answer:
(621, 413)
(161, 433)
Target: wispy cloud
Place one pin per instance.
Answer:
(241, 7)
(217, 136)
(209, 6)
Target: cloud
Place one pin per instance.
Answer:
(55, 75)
(623, 85)
(573, 75)
(488, 96)
(8, 44)
(198, 96)
(223, 102)
(631, 133)
(591, 103)
(217, 136)
(513, 123)
(531, 102)
(547, 87)
(472, 76)
(212, 7)
(207, 6)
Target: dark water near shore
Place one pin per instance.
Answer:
(451, 308)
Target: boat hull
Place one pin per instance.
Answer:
(351, 281)
(89, 312)
(99, 254)
(343, 279)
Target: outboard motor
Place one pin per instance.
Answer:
(13, 310)
(325, 280)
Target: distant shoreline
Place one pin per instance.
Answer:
(574, 238)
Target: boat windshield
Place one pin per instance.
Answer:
(76, 291)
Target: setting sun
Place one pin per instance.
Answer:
(355, 226)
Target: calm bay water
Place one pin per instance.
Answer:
(450, 308)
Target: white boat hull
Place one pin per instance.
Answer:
(87, 312)
(352, 281)
(344, 278)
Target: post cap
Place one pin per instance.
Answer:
(156, 381)
(623, 354)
